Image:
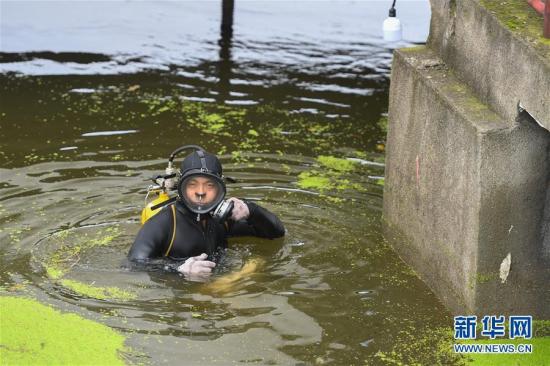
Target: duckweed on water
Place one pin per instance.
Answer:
(96, 292)
(323, 181)
(383, 124)
(166, 116)
(312, 180)
(440, 343)
(338, 164)
(67, 253)
(539, 356)
(332, 178)
(35, 334)
(436, 343)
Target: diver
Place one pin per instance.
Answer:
(186, 235)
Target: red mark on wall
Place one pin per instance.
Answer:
(417, 171)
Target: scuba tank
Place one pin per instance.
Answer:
(147, 211)
(163, 184)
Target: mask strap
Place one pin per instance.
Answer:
(200, 153)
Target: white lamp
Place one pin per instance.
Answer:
(392, 26)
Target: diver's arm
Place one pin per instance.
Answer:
(260, 222)
(157, 265)
(196, 268)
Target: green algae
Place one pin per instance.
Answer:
(68, 252)
(157, 105)
(436, 346)
(311, 180)
(35, 334)
(211, 121)
(97, 292)
(214, 123)
(539, 356)
(541, 328)
(323, 181)
(335, 176)
(383, 124)
(338, 164)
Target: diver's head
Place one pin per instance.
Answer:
(201, 190)
(201, 187)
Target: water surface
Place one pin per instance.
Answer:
(293, 100)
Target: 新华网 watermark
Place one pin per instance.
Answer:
(493, 327)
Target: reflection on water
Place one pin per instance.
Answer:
(295, 107)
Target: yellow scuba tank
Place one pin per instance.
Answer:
(163, 183)
(147, 212)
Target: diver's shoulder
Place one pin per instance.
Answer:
(164, 215)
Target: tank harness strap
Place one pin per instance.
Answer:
(173, 230)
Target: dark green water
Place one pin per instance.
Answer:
(297, 118)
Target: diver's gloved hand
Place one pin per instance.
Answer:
(197, 265)
(240, 210)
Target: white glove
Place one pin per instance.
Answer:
(240, 210)
(197, 265)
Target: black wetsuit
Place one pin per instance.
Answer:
(158, 239)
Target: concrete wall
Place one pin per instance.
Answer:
(467, 175)
(502, 66)
(514, 182)
(428, 133)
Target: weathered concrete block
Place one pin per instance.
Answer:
(498, 50)
(465, 188)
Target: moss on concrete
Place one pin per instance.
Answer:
(448, 86)
(486, 277)
(464, 99)
(522, 20)
(413, 49)
(34, 334)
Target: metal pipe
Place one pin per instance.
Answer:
(538, 5)
(546, 31)
(225, 63)
(543, 8)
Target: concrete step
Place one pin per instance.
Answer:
(497, 49)
(464, 188)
